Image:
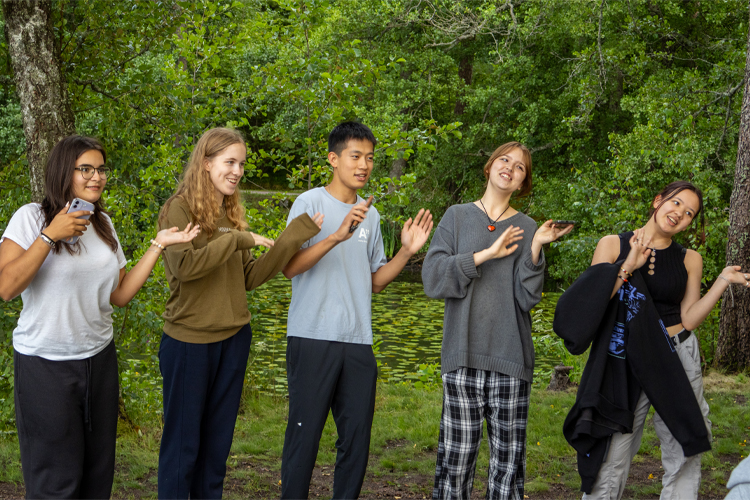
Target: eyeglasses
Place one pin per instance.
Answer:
(88, 172)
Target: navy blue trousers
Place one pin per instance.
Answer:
(202, 390)
(328, 376)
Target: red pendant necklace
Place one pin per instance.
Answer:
(491, 225)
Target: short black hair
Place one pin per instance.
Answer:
(343, 132)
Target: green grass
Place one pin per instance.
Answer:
(404, 442)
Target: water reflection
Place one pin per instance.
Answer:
(407, 331)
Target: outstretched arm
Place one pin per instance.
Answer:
(413, 237)
(131, 282)
(696, 309)
(306, 258)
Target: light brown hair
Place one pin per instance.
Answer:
(505, 149)
(197, 190)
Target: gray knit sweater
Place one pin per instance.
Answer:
(487, 324)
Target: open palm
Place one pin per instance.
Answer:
(173, 235)
(415, 233)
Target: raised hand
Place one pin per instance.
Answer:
(173, 235)
(640, 249)
(415, 233)
(318, 219)
(502, 247)
(262, 241)
(66, 225)
(734, 274)
(549, 232)
(356, 215)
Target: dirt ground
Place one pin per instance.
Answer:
(396, 487)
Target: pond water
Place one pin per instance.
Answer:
(407, 332)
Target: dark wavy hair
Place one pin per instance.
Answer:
(670, 191)
(58, 188)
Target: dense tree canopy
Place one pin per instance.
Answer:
(615, 99)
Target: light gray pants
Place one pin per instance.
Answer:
(682, 475)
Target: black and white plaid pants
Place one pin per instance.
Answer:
(469, 397)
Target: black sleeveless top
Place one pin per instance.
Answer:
(668, 283)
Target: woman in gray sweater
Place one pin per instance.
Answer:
(489, 283)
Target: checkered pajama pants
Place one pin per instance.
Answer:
(470, 396)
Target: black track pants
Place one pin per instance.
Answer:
(324, 376)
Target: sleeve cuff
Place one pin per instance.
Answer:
(540, 265)
(466, 261)
(245, 240)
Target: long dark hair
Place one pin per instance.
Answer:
(58, 188)
(670, 191)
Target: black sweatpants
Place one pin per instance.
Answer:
(66, 415)
(323, 376)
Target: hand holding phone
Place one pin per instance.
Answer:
(355, 225)
(76, 205)
(564, 222)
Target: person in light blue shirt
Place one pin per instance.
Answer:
(330, 362)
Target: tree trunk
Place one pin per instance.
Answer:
(733, 347)
(466, 73)
(40, 84)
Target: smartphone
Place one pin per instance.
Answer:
(564, 222)
(355, 225)
(76, 205)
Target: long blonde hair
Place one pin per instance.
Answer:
(197, 190)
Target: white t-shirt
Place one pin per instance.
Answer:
(66, 312)
(333, 300)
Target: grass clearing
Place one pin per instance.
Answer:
(404, 446)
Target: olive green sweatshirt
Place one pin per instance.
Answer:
(208, 277)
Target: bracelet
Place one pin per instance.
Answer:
(729, 286)
(157, 244)
(623, 279)
(626, 271)
(47, 240)
(152, 250)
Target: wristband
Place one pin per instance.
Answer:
(623, 279)
(626, 271)
(47, 240)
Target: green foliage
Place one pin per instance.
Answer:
(615, 99)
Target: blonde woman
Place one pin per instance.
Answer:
(206, 340)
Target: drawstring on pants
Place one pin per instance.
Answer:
(87, 405)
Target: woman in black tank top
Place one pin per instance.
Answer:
(673, 277)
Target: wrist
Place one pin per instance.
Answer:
(334, 238)
(47, 240)
(156, 247)
(51, 234)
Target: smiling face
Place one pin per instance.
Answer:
(352, 168)
(89, 190)
(676, 213)
(226, 169)
(508, 171)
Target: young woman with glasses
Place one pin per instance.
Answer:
(65, 365)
